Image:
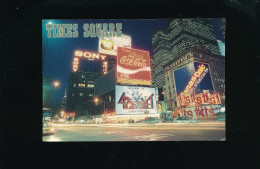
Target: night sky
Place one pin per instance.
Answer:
(58, 52)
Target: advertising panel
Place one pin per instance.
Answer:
(89, 56)
(108, 45)
(135, 100)
(202, 112)
(195, 75)
(133, 67)
(198, 99)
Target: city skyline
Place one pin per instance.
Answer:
(58, 52)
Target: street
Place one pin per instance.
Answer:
(181, 132)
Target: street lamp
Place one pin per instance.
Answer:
(56, 84)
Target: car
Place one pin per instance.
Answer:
(47, 129)
(184, 120)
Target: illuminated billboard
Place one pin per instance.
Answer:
(108, 45)
(133, 67)
(89, 56)
(193, 99)
(189, 80)
(195, 75)
(135, 100)
(208, 111)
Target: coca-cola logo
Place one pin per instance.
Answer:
(133, 61)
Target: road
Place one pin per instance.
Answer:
(137, 133)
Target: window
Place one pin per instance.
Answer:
(81, 94)
(90, 95)
(75, 84)
(90, 85)
(73, 94)
(81, 85)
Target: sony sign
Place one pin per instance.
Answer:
(89, 55)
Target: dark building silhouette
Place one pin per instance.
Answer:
(80, 88)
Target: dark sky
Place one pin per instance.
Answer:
(58, 52)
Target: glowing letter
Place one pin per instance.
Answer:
(92, 30)
(49, 28)
(78, 53)
(69, 28)
(112, 30)
(75, 29)
(98, 29)
(86, 33)
(118, 29)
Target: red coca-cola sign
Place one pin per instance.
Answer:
(133, 66)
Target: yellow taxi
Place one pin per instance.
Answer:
(47, 129)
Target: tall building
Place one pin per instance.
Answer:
(47, 92)
(80, 88)
(199, 54)
(161, 55)
(222, 26)
(182, 34)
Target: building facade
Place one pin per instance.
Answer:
(80, 88)
(161, 55)
(199, 54)
(47, 92)
(222, 25)
(181, 35)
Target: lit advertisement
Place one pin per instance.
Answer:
(108, 45)
(208, 111)
(133, 67)
(195, 75)
(198, 99)
(135, 100)
(88, 56)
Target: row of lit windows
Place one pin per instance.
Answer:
(81, 94)
(83, 85)
(221, 86)
(219, 80)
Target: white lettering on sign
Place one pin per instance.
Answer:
(89, 55)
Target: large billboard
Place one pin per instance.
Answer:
(135, 100)
(108, 45)
(133, 67)
(195, 75)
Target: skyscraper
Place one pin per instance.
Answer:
(182, 34)
(222, 26)
(161, 55)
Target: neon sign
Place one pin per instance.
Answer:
(90, 56)
(195, 79)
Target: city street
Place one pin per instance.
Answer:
(170, 132)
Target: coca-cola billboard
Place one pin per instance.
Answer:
(133, 66)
